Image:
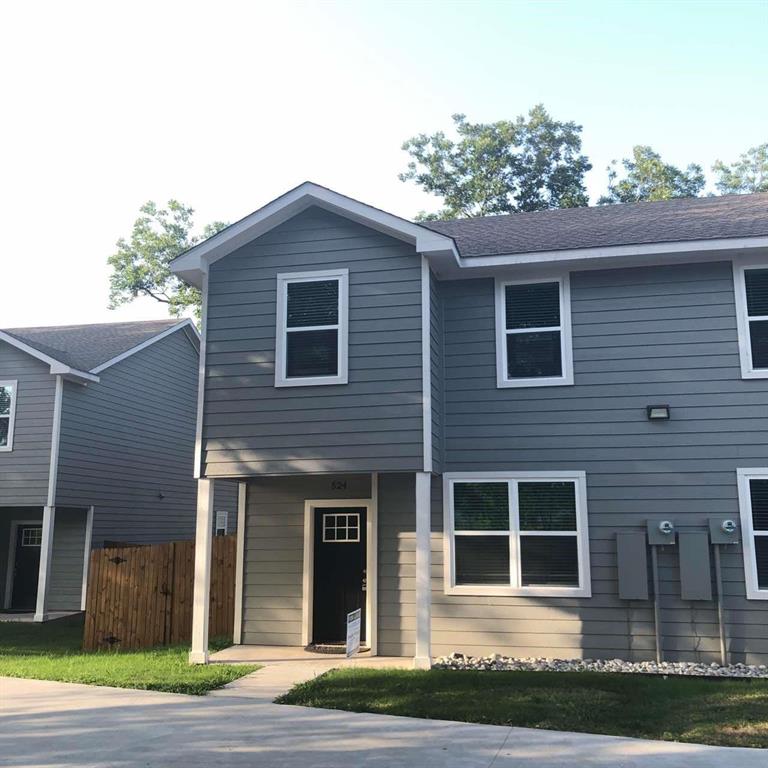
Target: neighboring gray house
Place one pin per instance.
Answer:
(97, 434)
(476, 431)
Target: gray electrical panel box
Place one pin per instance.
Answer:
(632, 563)
(695, 573)
(661, 531)
(724, 530)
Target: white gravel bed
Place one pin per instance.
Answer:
(497, 662)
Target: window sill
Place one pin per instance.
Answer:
(560, 381)
(760, 373)
(316, 381)
(490, 591)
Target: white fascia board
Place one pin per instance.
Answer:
(186, 323)
(191, 265)
(56, 366)
(617, 251)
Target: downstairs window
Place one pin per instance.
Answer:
(517, 534)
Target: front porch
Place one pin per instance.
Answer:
(311, 549)
(43, 561)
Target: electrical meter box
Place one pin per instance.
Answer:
(661, 531)
(724, 530)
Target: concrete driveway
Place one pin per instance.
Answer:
(60, 724)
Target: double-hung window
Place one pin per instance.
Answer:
(533, 333)
(753, 505)
(311, 343)
(751, 287)
(516, 534)
(8, 391)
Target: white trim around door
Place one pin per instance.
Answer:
(12, 557)
(310, 505)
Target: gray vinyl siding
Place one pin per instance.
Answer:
(397, 565)
(436, 359)
(372, 423)
(130, 439)
(69, 530)
(274, 551)
(663, 334)
(24, 470)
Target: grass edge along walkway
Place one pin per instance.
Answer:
(52, 651)
(699, 710)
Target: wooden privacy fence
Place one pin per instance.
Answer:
(139, 597)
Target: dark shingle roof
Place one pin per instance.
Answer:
(703, 218)
(87, 346)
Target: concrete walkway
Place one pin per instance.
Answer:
(285, 666)
(46, 724)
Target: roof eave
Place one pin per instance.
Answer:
(56, 367)
(609, 256)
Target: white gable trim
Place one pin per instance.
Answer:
(56, 366)
(187, 323)
(191, 265)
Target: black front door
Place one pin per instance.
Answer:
(26, 566)
(339, 577)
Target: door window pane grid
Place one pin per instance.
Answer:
(31, 537)
(341, 527)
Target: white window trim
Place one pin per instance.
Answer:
(748, 371)
(308, 574)
(283, 279)
(14, 384)
(747, 531)
(566, 341)
(582, 535)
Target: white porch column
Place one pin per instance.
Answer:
(202, 591)
(237, 634)
(423, 657)
(44, 573)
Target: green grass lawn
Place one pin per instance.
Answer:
(52, 651)
(725, 712)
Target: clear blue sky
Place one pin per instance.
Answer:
(226, 105)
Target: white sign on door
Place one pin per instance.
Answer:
(353, 632)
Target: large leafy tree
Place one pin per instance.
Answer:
(748, 174)
(527, 164)
(140, 266)
(648, 177)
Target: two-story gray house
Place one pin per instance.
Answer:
(542, 434)
(97, 435)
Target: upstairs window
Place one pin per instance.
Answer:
(533, 333)
(8, 391)
(517, 535)
(751, 286)
(311, 345)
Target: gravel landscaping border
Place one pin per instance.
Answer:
(497, 662)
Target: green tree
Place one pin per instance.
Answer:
(527, 164)
(748, 174)
(649, 178)
(140, 265)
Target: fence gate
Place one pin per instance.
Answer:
(139, 597)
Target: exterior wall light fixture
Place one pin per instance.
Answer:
(658, 412)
